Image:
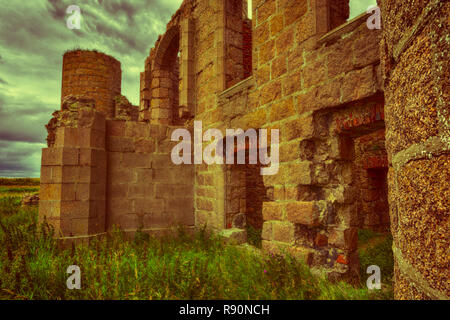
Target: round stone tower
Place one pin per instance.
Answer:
(94, 75)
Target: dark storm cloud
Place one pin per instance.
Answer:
(19, 159)
(122, 7)
(33, 38)
(23, 121)
(57, 9)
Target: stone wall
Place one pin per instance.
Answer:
(322, 92)
(145, 189)
(92, 74)
(415, 52)
(73, 173)
(100, 172)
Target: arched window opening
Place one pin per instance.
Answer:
(171, 70)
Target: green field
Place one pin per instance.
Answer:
(17, 187)
(199, 266)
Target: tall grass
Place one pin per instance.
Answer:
(183, 266)
(19, 181)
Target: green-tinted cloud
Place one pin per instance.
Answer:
(359, 6)
(33, 38)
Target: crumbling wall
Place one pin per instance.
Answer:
(73, 170)
(92, 74)
(309, 86)
(415, 52)
(100, 172)
(306, 85)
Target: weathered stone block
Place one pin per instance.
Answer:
(266, 52)
(137, 129)
(359, 84)
(234, 235)
(298, 173)
(144, 175)
(293, 10)
(66, 137)
(271, 92)
(92, 157)
(272, 211)
(91, 138)
(49, 209)
(267, 231)
(338, 57)
(345, 239)
(80, 226)
(121, 175)
(119, 206)
(128, 222)
(314, 73)
(305, 213)
(282, 109)
(156, 219)
(70, 174)
(75, 209)
(182, 217)
(117, 190)
(144, 145)
(205, 204)
(298, 128)
(70, 156)
(148, 205)
(341, 148)
(292, 83)
(283, 231)
(139, 190)
(120, 144)
(50, 192)
(115, 128)
(52, 156)
(264, 11)
(136, 160)
(276, 24)
(82, 192)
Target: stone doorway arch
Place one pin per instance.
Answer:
(166, 79)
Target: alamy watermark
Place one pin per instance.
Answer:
(74, 281)
(74, 20)
(214, 153)
(374, 281)
(374, 21)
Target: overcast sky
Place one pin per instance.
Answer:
(33, 38)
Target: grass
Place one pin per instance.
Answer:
(19, 181)
(182, 266)
(254, 236)
(17, 187)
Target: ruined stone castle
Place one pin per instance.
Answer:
(363, 117)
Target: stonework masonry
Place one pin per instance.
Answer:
(415, 51)
(363, 121)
